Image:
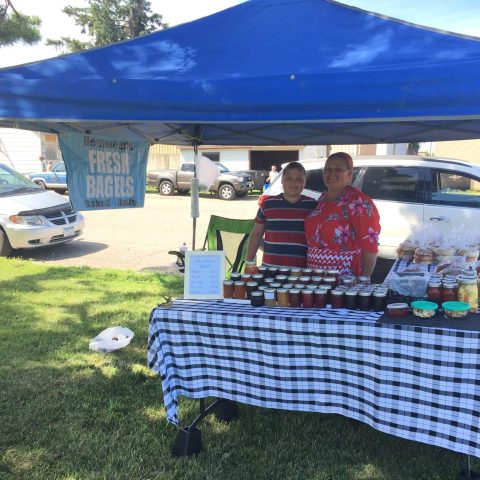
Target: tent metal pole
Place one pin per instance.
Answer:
(194, 194)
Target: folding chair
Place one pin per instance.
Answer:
(228, 234)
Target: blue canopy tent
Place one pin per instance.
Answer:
(266, 72)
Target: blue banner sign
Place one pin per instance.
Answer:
(104, 172)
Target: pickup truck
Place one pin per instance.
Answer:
(227, 185)
(55, 180)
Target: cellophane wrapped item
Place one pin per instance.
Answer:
(448, 240)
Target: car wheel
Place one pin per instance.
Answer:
(40, 183)
(5, 247)
(165, 188)
(226, 192)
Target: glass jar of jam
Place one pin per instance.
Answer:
(319, 272)
(227, 289)
(364, 300)
(379, 301)
(239, 290)
(281, 279)
(284, 271)
(449, 292)
(332, 281)
(317, 280)
(363, 279)
(305, 280)
(320, 297)
(257, 277)
(257, 299)
(468, 289)
(246, 277)
(272, 271)
(307, 298)
(337, 297)
(251, 286)
(307, 272)
(235, 276)
(283, 297)
(351, 299)
(295, 297)
(269, 297)
(434, 291)
(263, 270)
(295, 272)
(251, 267)
(333, 272)
(292, 279)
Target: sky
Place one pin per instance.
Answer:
(460, 16)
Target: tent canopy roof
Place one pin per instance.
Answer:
(266, 72)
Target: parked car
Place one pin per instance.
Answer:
(30, 217)
(55, 180)
(227, 185)
(408, 191)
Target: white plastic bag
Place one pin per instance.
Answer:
(111, 339)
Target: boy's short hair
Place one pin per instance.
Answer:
(294, 166)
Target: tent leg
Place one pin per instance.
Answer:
(467, 473)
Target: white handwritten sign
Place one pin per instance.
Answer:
(204, 275)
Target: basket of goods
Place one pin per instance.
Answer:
(406, 250)
(423, 255)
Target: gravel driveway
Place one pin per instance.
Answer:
(139, 238)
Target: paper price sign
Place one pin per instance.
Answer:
(204, 275)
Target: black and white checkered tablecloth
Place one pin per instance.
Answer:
(417, 383)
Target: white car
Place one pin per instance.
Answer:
(31, 217)
(408, 191)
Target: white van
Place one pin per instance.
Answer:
(408, 191)
(31, 217)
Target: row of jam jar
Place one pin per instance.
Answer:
(307, 296)
(332, 278)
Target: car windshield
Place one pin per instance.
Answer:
(222, 168)
(12, 182)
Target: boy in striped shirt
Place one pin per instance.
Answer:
(281, 220)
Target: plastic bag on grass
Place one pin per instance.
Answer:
(111, 339)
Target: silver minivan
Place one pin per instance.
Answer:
(31, 217)
(408, 191)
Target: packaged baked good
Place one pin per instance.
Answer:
(406, 250)
(423, 255)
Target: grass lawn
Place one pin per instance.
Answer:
(69, 413)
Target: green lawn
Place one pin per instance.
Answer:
(69, 413)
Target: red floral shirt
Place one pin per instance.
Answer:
(351, 223)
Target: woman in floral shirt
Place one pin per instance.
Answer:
(342, 232)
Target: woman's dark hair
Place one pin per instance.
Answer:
(343, 156)
(294, 166)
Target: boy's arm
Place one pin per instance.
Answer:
(255, 239)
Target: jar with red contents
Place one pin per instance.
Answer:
(449, 292)
(295, 297)
(434, 291)
(307, 298)
(320, 297)
(337, 298)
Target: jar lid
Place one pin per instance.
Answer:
(337, 292)
(352, 293)
(307, 292)
(252, 284)
(365, 293)
(397, 306)
(456, 306)
(320, 291)
(239, 283)
(434, 283)
(380, 294)
(294, 290)
(287, 285)
(282, 290)
(424, 305)
(329, 279)
(257, 293)
(228, 282)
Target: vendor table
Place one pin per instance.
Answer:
(415, 382)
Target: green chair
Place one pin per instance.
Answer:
(229, 235)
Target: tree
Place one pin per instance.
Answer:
(16, 27)
(109, 21)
